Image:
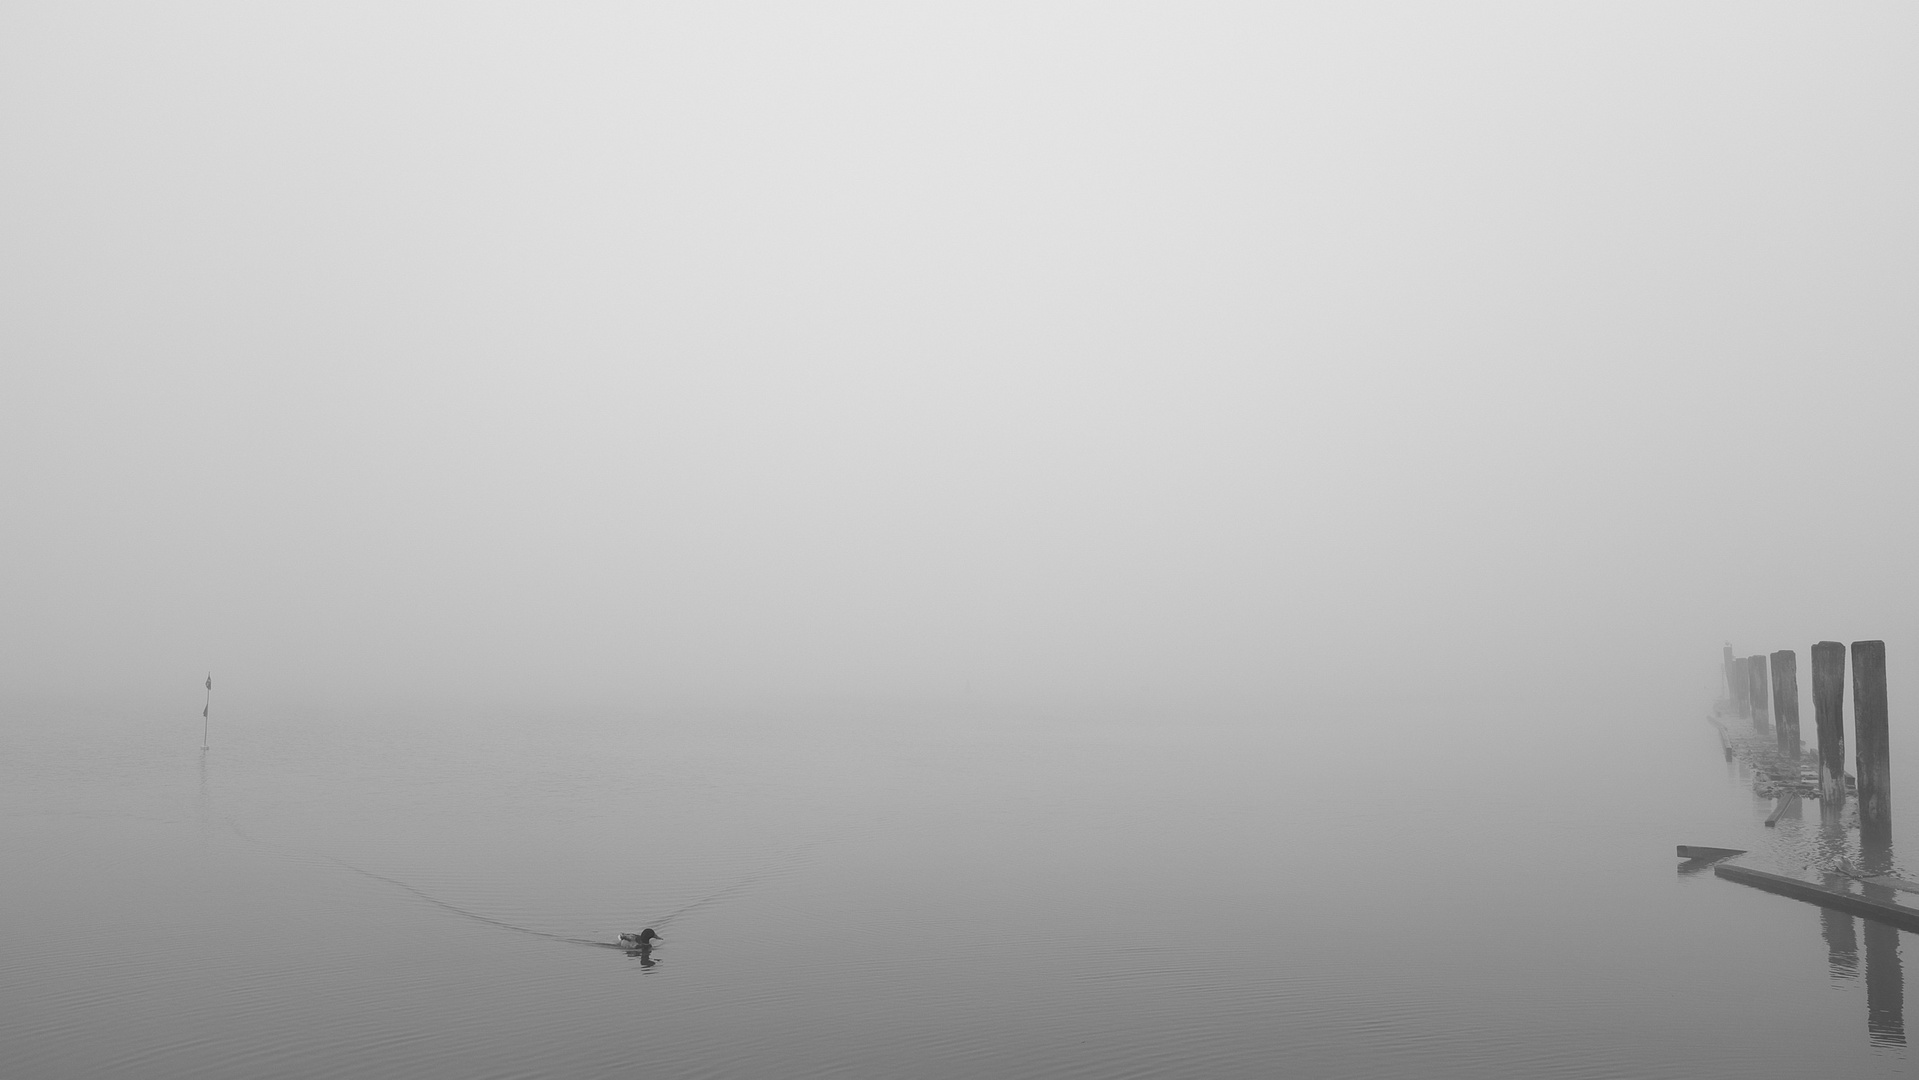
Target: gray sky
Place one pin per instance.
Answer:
(1250, 355)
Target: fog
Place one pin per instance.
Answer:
(1232, 358)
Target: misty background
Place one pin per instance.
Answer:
(1291, 361)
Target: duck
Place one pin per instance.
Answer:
(642, 940)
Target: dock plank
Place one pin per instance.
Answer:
(1891, 882)
(1904, 918)
(1786, 803)
(1693, 851)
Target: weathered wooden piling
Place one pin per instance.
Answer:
(1869, 728)
(1756, 693)
(1736, 684)
(1828, 712)
(1785, 701)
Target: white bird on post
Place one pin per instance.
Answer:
(205, 712)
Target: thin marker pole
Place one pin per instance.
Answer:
(206, 712)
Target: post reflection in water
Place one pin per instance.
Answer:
(1884, 972)
(1885, 976)
(1842, 944)
(1885, 984)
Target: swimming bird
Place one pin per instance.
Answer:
(642, 940)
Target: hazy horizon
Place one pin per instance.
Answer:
(1221, 357)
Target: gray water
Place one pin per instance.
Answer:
(899, 893)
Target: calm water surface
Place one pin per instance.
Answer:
(1036, 897)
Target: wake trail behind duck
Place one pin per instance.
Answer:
(709, 900)
(398, 884)
(458, 910)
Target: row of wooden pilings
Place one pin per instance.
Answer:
(1746, 684)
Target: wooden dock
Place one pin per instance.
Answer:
(1884, 911)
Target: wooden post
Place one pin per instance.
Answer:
(1732, 683)
(1828, 712)
(1785, 701)
(1736, 684)
(1869, 728)
(1756, 693)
